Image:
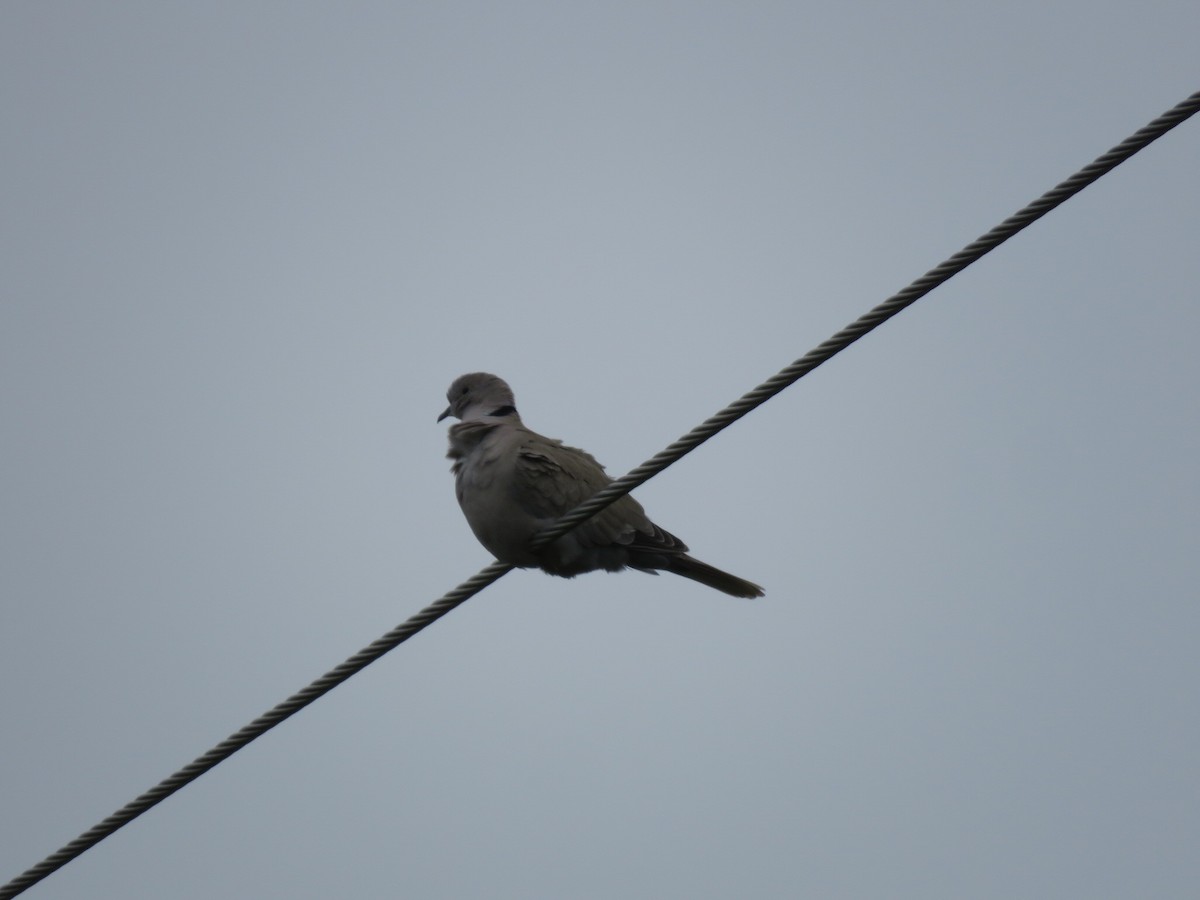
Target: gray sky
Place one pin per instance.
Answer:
(246, 248)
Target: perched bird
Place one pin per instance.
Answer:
(512, 482)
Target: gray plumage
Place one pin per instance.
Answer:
(512, 482)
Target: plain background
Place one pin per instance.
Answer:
(247, 246)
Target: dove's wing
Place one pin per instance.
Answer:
(551, 479)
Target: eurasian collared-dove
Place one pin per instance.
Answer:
(512, 482)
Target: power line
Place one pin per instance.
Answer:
(617, 489)
(873, 319)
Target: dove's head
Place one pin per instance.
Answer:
(477, 395)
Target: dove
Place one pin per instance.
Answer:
(512, 483)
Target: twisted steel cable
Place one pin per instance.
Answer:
(257, 728)
(617, 489)
(873, 319)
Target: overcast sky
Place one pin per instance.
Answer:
(247, 246)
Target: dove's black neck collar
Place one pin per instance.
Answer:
(503, 411)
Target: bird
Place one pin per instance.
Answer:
(512, 482)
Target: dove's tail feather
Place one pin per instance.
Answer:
(705, 574)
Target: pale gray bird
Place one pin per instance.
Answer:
(512, 482)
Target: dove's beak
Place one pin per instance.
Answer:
(445, 414)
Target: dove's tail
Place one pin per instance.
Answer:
(705, 574)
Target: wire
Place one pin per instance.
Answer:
(257, 728)
(617, 489)
(873, 319)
